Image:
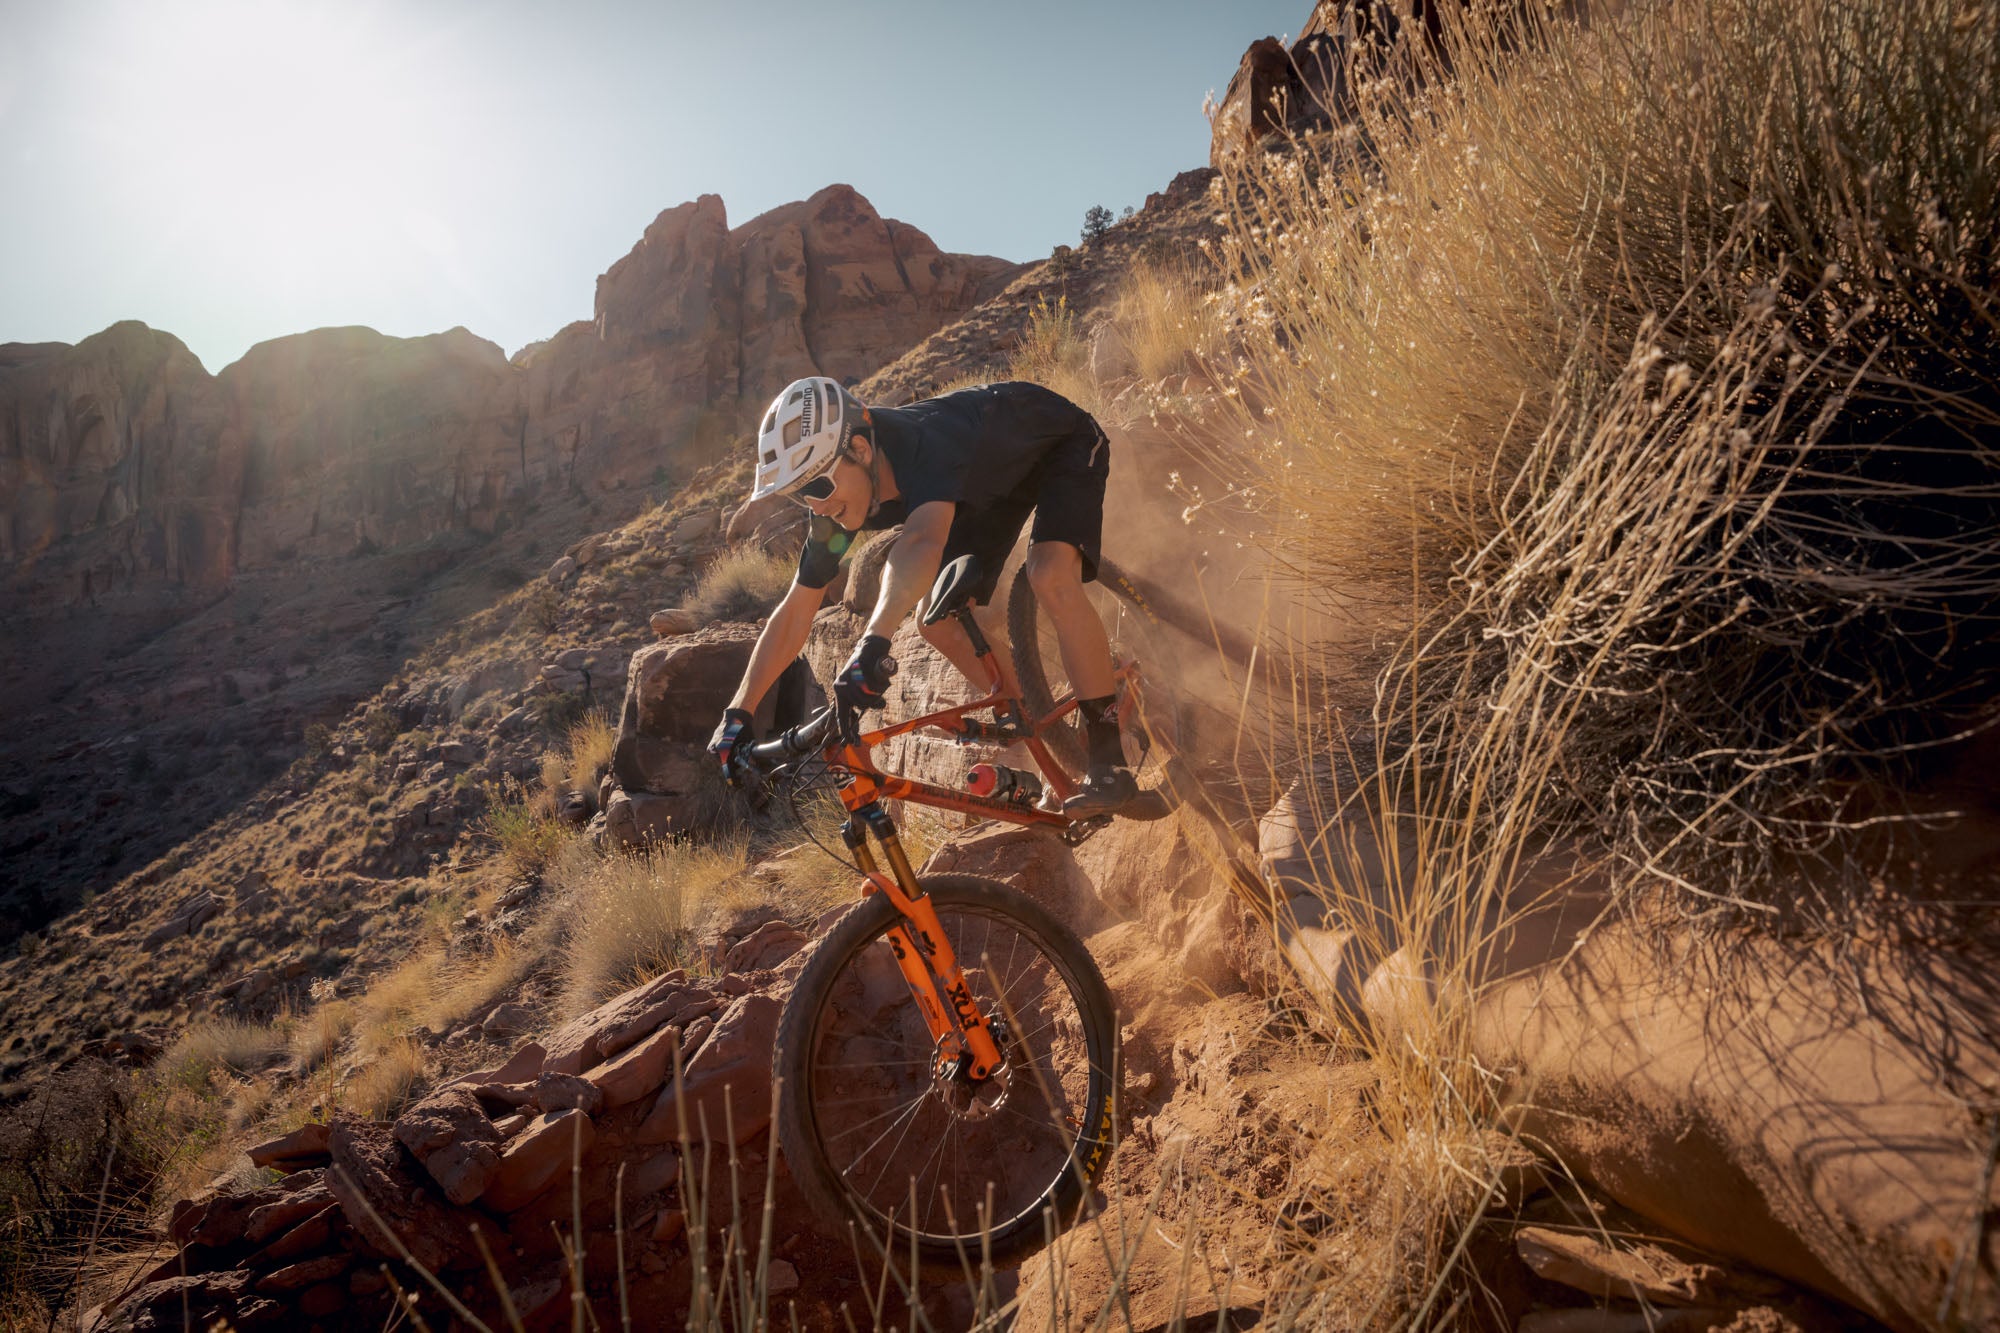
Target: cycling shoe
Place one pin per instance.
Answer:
(1105, 791)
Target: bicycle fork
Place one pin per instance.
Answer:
(962, 1035)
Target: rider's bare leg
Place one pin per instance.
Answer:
(949, 638)
(1055, 570)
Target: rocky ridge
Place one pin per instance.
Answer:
(126, 466)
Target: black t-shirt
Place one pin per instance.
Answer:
(975, 448)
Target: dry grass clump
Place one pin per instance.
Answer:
(743, 583)
(630, 917)
(220, 1046)
(382, 1087)
(523, 827)
(319, 1033)
(78, 1159)
(1054, 352)
(1167, 321)
(1634, 386)
(591, 743)
(1644, 378)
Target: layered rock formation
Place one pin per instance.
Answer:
(124, 465)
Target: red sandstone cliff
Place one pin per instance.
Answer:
(125, 466)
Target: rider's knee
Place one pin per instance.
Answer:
(1053, 567)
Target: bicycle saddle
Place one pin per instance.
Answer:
(953, 588)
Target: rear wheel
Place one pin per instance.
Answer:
(876, 1134)
(1155, 724)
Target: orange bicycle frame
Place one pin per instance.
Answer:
(923, 954)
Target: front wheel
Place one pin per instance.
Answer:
(875, 1134)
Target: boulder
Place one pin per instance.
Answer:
(727, 1083)
(639, 1071)
(537, 1156)
(187, 1302)
(1278, 90)
(507, 1021)
(864, 571)
(281, 1215)
(562, 570)
(1631, 1270)
(677, 689)
(220, 1219)
(187, 918)
(303, 1274)
(522, 1065)
(765, 947)
(449, 1132)
(1031, 860)
(308, 1236)
(388, 1208)
(637, 820)
(586, 1040)
(764, 521)
(674, 621)
(560, 1092)
(697, 527)
(1804, 1110)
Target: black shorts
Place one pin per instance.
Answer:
(1065, 493)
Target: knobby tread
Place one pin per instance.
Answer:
(791, 1061)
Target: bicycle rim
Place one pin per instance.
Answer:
(872, 1135)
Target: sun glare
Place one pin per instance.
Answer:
(304, 146)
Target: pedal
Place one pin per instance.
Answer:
(1076, 833)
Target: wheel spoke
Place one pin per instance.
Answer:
(990, 1154)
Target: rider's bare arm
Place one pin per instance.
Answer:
(784, 635)
(912, 565)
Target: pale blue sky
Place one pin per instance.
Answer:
(233, 171)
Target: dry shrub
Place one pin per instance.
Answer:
(1055, 353)
(1643, 374)
(318, 1034)
(743, 583)
(523, 828)
(383, 1086)
(397, 1002)
(1169, 322)
(468, 986)
(1631, 390)
(591, 742)
(628, 917)
(554, 779)
(78, 1158)
(220, 1046)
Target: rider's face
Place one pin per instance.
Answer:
(853, 490)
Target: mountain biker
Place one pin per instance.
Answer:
(961, 473)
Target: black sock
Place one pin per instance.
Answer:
(1100, 725)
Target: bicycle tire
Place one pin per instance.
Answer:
(1137, 628)
(851, 1004)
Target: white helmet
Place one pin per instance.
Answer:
(805, 427)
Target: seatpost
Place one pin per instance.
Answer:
(972, 631)
(980, 646)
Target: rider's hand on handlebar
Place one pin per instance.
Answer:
(734, 729)
(864, 682)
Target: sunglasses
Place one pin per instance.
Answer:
(819, 488)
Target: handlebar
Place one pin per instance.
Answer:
(794, 743)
